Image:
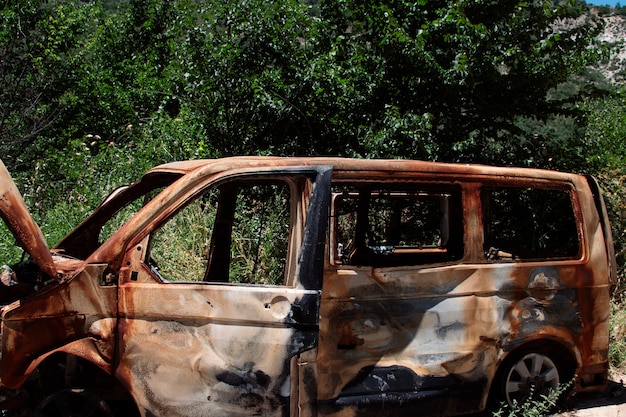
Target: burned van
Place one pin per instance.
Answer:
(310, 287)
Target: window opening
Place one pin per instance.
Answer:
(236, 233)
(398, 226)
(529, 223)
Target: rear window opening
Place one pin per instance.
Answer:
(397, 226)
(529, 224)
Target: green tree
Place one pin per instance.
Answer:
(455, 80)
(79, 82)
(126, 78)
(100, 85)
(39, 44)
(242, 64)
(605, 152)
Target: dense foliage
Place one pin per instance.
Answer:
(465, 80)
(93, 93)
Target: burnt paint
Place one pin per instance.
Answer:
(74, 316)
(397, 390)
(311, 258)
(474, 308)
(203, 368)
(459, 321)
(456, 336)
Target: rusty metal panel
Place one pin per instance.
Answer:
(193, 349)
(362, 169)
(424, 338)
(77, 316)
(389, 334)
(14, 212)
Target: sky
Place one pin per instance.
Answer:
(606, 2)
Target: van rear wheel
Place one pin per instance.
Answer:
(73, 402)
(529, 376)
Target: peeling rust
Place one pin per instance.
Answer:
(14, 212)
(371, 287)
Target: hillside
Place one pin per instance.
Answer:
(614, 34)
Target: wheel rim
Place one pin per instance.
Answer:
(530, 377)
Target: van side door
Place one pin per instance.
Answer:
(393, 326)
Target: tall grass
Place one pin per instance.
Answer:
(617, 344)
(259, 232)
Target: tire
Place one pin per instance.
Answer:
(529, 376)
(73, 403)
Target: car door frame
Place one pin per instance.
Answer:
(212, 316)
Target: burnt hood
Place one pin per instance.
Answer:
(17, 217)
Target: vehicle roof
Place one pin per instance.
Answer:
(342, 166)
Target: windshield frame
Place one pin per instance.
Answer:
(84, 239)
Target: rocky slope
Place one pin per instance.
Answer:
(614, 34)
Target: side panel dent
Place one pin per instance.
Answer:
(203, 350)
(424, 333)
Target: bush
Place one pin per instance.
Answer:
(543, 406)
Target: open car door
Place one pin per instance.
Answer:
(217, 301)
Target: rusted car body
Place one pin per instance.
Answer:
(311, 287)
